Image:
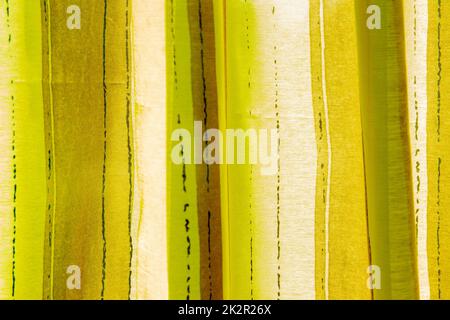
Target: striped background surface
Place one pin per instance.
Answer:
(357, 208)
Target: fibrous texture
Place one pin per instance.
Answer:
(224, 149)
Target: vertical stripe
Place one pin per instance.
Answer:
(204, 94)
(182, 213)
(14, 166)
(150, 201)
(49, 130)
(220, 15)
(384, 116)
(327, 129)
(91, 134)
(130, 147)
(416, 35)
(105, 137)
(205, 123)
(6, 225)
(438, 120)
(243, 283)
(119, 154)
(23, 199)
(438, 142)
(252, 285)
(278, 127)
(50, 144)
(322, 132)
(279, 263)
(347, 228)
(251, 218)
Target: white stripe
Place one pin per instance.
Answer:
(150, 258)
(417, 67)
(298, 151)
(327, 127)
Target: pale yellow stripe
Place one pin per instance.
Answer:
(416, 33)
(149, 53)
(298, 151)
(269, 83)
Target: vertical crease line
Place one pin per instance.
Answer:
(187, 222)
(416, 120)
(277, 117)
(439, 72)
(52, 155)
(14, 162)
(438, 231)
(129, 142)
(247, 37)
(105, 135)
(227, 174)
(438, 258)
(327, 126)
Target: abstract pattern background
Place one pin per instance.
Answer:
(92, 94)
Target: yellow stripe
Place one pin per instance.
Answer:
(386, 150)
(182, 219)
(22, 258)
(438, 139)
(348, 244)
(219, 7)
(91, 147)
